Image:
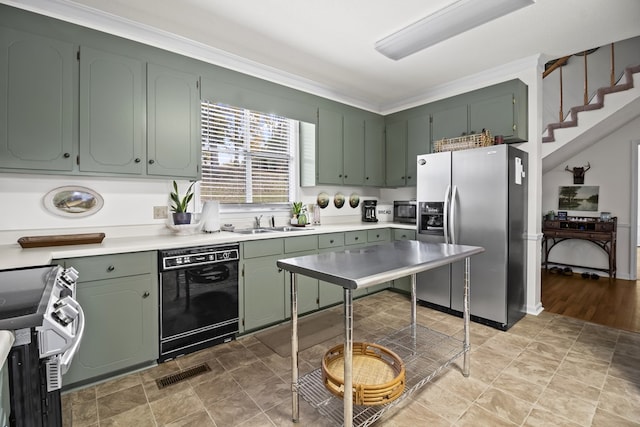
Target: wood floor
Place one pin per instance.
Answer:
(614, 303)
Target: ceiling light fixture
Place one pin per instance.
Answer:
(454, 19)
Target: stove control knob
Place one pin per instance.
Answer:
(70, 275)
(64, 313)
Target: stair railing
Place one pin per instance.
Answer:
(559, 63)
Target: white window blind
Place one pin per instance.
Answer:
(246, 155)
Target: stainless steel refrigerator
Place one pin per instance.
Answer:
(476, 197)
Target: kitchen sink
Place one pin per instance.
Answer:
(261, 230)
(254, 230)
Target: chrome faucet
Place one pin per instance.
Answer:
(258, 219)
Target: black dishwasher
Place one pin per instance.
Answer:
(198, 298)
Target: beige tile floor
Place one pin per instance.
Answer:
(547, 370)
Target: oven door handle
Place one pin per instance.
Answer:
(67, 356)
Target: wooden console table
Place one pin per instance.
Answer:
(600, 233)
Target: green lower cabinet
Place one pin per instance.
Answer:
(404, 283)
(264, 292)
(307, 289)
(121, 315)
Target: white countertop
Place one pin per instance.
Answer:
(6, 341)
(13, 256)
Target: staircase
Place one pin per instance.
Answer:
(625, 83)
(608, 108)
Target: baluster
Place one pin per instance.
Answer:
(586, 80)
(613, 66)
(561, 118)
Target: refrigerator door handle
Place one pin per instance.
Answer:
(445, 214)
(454, 218)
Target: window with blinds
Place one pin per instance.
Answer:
(247, 156)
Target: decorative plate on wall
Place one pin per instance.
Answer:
(338, 200)
(354, 200)
(73, 201)
(323, 200)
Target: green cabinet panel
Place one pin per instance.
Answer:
(374, 153)
(112, 113)
(353, 150)
(261, 248)
(264, 292)
(417, 143)
(330, 157)
(37, 95)
(300, 244)
(496, 114)
(355, 237)
(379, 235)
(121, 315)
(307, 289)
(449, 123)
(399, 234)
(404, 283)
(330, 240)
(173, 122)
(340, 148)
(396, 154)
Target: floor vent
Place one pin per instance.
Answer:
(181, 376)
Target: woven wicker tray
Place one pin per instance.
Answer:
(378, 373)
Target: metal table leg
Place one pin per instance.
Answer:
(413, 311)
(467, 316)
(348, 358)
(295, 397)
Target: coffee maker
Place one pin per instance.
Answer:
(369, 211)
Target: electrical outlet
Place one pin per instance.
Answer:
(160, 212)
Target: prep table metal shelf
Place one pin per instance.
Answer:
(424, 359)
(425, 352)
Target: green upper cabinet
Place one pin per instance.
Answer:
(329, 149)
(396, 150)
(449, 123)
(36, 102)
(417, 143)
(173, 122)
(501, 109)
(340, 148)
(352, 150)
(497, 114)
(112, 110)
(405, 140)
(374, 152)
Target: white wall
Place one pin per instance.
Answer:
(611, 164)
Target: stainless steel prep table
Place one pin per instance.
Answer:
(360, 268)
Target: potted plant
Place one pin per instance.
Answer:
(180, 204)
(299, 213)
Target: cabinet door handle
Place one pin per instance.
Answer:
(408, 177)
(66, 155)
(346, 176)
(356, 237)
(137, 160)
(151, 161)
(111, 268)
(377, 236)
(279, 270)
(146, 294)
(331, 241)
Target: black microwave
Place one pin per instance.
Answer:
(404, 211)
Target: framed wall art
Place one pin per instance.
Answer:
(578, 198)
